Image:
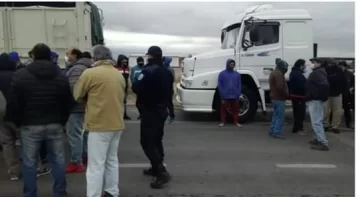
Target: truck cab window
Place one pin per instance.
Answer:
(229, 36)
(268, 34)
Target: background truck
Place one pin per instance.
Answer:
(60, 25)
(254, 39)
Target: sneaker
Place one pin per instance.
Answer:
(74, 168)
(149, 172)
(320, 147)
(42, 172)
(314, 142)
(14, 177)
(337, 131)
(221, 124)
(238, 125)
(160, 181)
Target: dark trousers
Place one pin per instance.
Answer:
(299, 110)
(233, 105)
(151, 135)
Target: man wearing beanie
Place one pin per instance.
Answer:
(154, 89)
(278, 94)
(134, 74)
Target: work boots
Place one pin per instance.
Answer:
(161, 176)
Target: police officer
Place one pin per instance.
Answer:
(154, 89)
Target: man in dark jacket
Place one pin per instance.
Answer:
(297, 95)
(229, 87)
(278, 94)
(77, 137)
(348, 96)
(8, 129)
(338, 85)
(134, 74)
(316, 93)
(154, 88)
(40, 103)
(123, 66)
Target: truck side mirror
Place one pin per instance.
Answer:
(254, 33)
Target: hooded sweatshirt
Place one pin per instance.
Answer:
(123, 69)
(16, 58)
(41, 95)
(277, 82)
(317, 86)
(229, 83)
(135, 72)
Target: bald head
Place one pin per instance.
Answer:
(73, 54)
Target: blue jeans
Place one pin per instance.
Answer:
(77, 139)
(316, 111)
(32, 138)
(278, 117)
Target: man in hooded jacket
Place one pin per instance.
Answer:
(167, 61)
(16, 58)
(122, 66)
(8, 129)
(278, 94)
(229, 87)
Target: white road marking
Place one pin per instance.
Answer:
(300, 165)
(135, 165)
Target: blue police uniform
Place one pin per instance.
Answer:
(154, 89)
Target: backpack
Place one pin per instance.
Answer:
(2, 106)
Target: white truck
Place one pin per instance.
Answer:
(254, 39)
(60, 25)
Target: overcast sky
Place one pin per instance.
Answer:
(184, 28)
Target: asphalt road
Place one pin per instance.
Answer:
(207, 161)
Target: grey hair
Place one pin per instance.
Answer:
(101, 52)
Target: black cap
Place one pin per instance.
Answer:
(140, 59)
(154, 51)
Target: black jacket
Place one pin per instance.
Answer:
(7, 71)
(40, 95)
(154, 85)
(337, 80)
(317, 85)
(297, 83)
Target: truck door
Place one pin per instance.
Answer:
(260, 56)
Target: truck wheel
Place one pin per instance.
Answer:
(248, 104)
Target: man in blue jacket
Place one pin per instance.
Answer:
(229, 87)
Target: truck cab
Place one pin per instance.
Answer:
(254, 39)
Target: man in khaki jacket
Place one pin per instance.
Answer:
(102, 89)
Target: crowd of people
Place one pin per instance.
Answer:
(39, 101)
(328, 89)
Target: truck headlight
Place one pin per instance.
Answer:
(186, 83)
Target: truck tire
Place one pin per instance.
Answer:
(247, 94)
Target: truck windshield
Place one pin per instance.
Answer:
(229, 36)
